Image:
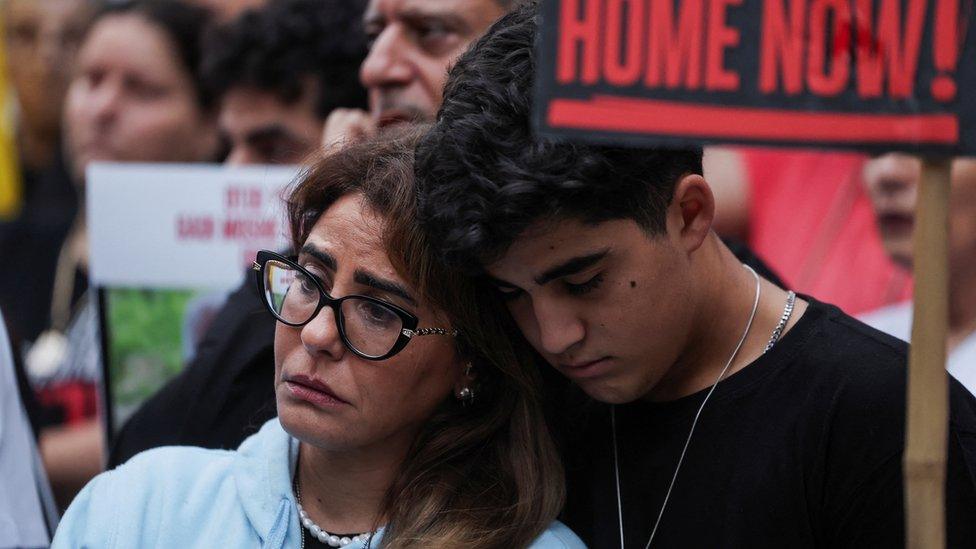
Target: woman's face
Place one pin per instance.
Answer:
(381, 403)
(132, 100)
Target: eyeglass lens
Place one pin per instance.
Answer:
(367, 326)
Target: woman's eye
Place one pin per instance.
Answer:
(376, 314)
(305, 283)
(584, 287)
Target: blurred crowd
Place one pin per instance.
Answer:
(272, 82)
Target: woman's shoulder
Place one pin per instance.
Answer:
(167, 471)
(558, 536)
(167, 483)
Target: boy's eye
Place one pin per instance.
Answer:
(508, 294)
(584, 287)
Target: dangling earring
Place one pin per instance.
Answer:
(466, 396)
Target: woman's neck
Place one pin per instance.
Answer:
(343, 492)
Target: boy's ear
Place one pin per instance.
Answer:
(692, 212)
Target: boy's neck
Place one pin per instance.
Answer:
(727, 292)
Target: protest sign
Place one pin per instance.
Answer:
(167, 244)
(874, 75)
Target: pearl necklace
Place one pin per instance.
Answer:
(320, 533)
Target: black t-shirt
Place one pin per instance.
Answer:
(802, 448)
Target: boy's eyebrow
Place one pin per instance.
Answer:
(500, 282)
(571, 266)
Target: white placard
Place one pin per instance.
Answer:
(182, 226)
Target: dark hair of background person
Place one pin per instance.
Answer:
(182, 22)
(484, 177)
(486, 475)
(278, 48)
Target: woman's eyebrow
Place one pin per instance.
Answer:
(368, 279)
(323, 257)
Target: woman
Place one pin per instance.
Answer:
(134, 97)
(392, 430)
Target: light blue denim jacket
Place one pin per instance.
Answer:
(186, 497)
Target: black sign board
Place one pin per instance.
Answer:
(872, 75)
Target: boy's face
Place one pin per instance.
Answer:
(606, 304)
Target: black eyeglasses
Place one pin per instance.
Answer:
(369, 327)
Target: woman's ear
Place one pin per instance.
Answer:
(691, 212)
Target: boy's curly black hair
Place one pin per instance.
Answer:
(484, 178)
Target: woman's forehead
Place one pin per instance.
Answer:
(353, 234)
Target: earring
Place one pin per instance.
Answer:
(466, 396)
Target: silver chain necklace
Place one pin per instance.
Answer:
(613, 426)
(787, 313)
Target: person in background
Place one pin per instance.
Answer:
(712, 408)
(892, 182)
(227, 10)
(392, 431)
(134, 96)
(42, 39)
(278, 72)
(411, 45)
(806, 213)
(27, 512)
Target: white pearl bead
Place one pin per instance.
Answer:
(302, 513)
(356, 539)
(315, 530)
(307, 522)
(334, 541)
(345, 541)
(322, 536)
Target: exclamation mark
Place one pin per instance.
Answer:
(945, 49)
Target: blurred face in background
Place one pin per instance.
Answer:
(259, 128)
(42, 39)
(226, 10)
(412, 45)
(892, 181)
(132, 100)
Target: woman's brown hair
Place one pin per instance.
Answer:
(485, 475)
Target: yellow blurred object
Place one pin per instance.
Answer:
(10, 177)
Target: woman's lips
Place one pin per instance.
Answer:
(313, 391)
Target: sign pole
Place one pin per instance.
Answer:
(928, 400)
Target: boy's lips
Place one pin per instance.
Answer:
(585, 369)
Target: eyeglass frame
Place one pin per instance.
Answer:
(409, 321)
